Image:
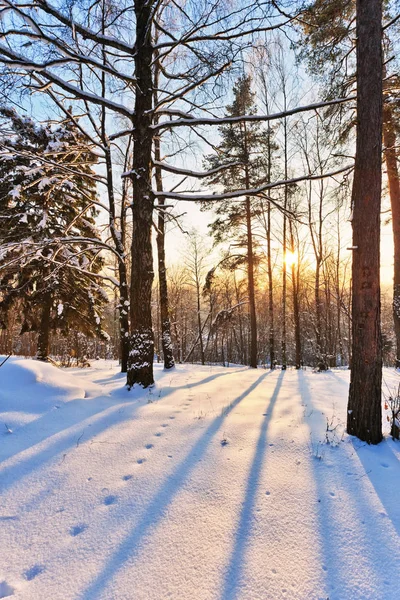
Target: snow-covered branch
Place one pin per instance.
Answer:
(248, 118)
(239, 194)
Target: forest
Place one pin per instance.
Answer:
(93, 171)
(192, 187)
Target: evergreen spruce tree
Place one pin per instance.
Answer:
(47, 191)
(245, 144)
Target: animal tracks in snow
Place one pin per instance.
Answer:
(77, 529)
(6, 590)
(33, 572)
(110, 499)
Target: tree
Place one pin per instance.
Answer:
(328, 28)
(364, 415)
(244, 143)
(50, 259)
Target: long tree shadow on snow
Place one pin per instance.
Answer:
(349, 523)
(71, 415)
(243, 532)
(380, 463)
(159, 504)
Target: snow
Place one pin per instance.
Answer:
(217, 483)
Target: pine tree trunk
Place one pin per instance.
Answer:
(141, 352)
(250, 279)
(296, 304)
(296, 316)
(44, 331)
(117, 237)
(364, 418)
(284, 266)
(123, 290)
(270, 293)
(389, 139)
(199, 326)
(166, 340)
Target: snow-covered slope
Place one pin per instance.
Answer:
(216, 484)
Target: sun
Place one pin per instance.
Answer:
(291, 258)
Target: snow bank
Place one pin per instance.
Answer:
(29, 388)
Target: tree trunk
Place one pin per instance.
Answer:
(141, 353)
(389, 140)
(166, 340)
(270, 292)
(117, 236)
(199, 325)
(296, 304)
(364, 415)
(44, 331)
(250, 281)
(284, 266)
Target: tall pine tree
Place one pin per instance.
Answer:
(244, 144)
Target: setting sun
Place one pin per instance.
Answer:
(291, 258)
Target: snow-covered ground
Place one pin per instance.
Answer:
(214, 485)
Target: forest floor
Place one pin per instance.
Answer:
(217, 484)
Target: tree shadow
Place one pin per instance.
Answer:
(243, 532)
(379, 463)
(350, 526)
(26, 465)
(158, 506)
(70, 414)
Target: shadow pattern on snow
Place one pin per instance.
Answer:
(237, 561)
(70, 416)
(348, 523)
(158, 506)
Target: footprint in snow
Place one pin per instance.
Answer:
(77, 529)
(140, 461)
(158, 434)
(126, 477)
(6, 590)
(149, 446)
(332, 494)
(385, 465)
(164, 425)
(172, 418)
(109, 500)
(33, 572)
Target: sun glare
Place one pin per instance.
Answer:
(291, 258)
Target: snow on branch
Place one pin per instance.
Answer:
(238, 194)
(224, 35)
(18, 61)
(248, 118)
(186, 172)
(85, 32)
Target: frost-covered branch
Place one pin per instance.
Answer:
(238, 194)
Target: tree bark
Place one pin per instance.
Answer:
(250, 279)
(270, 293)
(141, 353)
(44, 331)
(389, 140)
(250, 268)
(166, 341)
(296, 303)
(364, 418)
